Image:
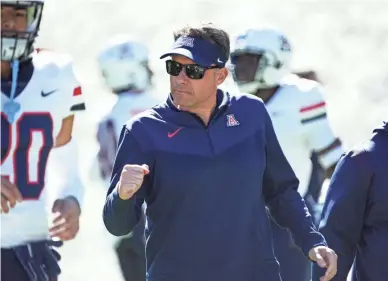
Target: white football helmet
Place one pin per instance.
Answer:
(18, 45)
(269, 57)
(124, 66)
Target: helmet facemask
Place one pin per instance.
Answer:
(266, 53)
(253, 71)
(17, 44)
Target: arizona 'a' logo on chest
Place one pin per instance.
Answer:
(231, 121)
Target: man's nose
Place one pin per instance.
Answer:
(182, 77)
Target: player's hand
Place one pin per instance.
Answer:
(10, 194)
(325, 258)
(66, 223)
(131, 180)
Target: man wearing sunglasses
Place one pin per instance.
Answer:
(207, 164)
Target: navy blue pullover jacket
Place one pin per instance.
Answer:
(207, 192)
(355, 216)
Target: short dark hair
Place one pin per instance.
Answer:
(209, 33)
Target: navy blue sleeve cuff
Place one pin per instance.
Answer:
(120, 206)
(315, 239)
(117, 214)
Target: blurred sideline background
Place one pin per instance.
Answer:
(345, 42)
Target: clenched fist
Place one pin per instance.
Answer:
(131, 180)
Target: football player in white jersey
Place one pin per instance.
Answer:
(261, 61)
(318, 174)
(39, 96)
(125, 69)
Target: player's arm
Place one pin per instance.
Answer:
(64, 171)
(63, 162)
(319, 135)
(65, 183)
(343, 212)
(334, 148)
(121, 216)
(66, 132)
(285, 204)
(107, 141)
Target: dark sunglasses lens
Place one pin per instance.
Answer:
(194, 71)
(173, 68)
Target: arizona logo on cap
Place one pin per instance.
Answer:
(184, 41)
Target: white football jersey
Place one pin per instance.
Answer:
(298, 113)
(52, 94)
(127, 105)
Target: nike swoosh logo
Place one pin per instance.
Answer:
(170, 135)
(48, 93)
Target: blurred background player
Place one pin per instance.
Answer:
(125, 69)
(313, 196)
(261, 61)
(39, 96)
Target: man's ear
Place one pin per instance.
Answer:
(221, 75)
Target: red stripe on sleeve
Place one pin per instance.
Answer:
(311, 107)
(77, 91)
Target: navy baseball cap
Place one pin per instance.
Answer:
(202, 52)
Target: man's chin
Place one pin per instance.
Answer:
(181, 103)
(180, 97)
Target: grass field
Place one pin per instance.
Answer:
(345, 41)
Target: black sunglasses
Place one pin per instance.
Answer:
(193, 71)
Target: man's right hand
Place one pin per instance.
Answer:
(131, 180)
(10, 194)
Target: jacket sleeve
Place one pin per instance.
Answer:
(282, 198)
(121, 216)
(343, 212)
